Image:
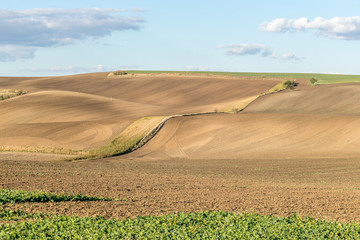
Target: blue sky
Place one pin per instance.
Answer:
(40, 38)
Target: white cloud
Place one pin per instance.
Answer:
(200, 68)
(248, 49)
(67, 69)
(347, 28)
(291, 56)
(277, 25)
(72, 69)
(100, 67)
(56, 27)
(257, 49)
(9, 53)
(138, 9)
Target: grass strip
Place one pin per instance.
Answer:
(322, 78)
(131, 136)
(127, 141)
(17, 196)
(287, 84)
(203, 225)
(9, 93)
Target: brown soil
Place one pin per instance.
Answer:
(293, 151)
(334, 99)
(87, 111)
(255, 136)
(31, 156)
(322, 188)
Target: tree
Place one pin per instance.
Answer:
(289, 84)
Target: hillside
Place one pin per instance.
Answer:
(89, 110)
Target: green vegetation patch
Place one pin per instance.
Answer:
(312, 81)
(118, 73)
(9, 93)
(18, 215)
(322, 78)
(287, 84)
(17, 196)
(204, 225)
(131, 136)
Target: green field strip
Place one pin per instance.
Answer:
(19, 196)
(202, 225)
(322, 78)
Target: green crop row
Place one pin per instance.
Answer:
(18, 215)
(204, 225)
(16, 196)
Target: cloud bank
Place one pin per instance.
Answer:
(22, 31)
(74, 69)
(291, 56)
(201, 68)
(248, 49)
(10, 53)
(257, 49)
(345, 28)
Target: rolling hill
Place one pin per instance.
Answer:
(82, 112)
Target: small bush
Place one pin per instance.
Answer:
(289, 84)
(313, 81)
(120, 72)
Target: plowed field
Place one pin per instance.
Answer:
(292, 151)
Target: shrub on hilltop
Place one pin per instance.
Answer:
(120, 72)
(313, 81)
(289, 84)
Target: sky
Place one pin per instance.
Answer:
(50, 38)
